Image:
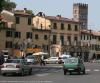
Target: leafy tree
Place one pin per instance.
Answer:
(9, 5)
(6, 5)
(1, 5)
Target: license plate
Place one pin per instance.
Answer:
(9, 66)
(70, 69)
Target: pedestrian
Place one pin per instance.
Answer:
(42, 62)
(1, 59)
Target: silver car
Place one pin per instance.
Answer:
(52, 60)
(16, 66)
(30, 59)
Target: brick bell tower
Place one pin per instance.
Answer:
(80, 13)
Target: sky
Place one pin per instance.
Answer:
(63, 8)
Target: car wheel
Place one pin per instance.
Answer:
(84, 71)
(70, 72)
(4, 74)
(79, 71)
(22, 73)
(30, 71)
(65, 72)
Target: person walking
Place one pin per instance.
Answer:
(1, 59)
(42, 62)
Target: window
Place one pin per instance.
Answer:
(54, 39)
(75, 11)
(84, 37)
(69, 27)
(8, 44)
(41, 26)
(62, 26)
(8, 33)
(76, 28)
(29, 21)
(81, 37)
(55, 25)
(69, 38)
(75, 38)
(17, 20)
(17, 34)
(36, 36)
(62, 40)
(45, 37)
(29, 35)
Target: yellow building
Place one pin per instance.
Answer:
(17, 31)
(62, 32)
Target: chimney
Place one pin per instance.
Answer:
(58, 16)
(25, 9)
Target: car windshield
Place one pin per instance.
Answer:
(53, 58)
(64, 57)
(13, 61)
(71, 60)
(30, 57)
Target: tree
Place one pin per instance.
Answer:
(6, 5)
(1, 5)
(9, 5)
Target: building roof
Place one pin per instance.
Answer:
(96, 33)
(59, 18)
(21, 14)
(87, 31)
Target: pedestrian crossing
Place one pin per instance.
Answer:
(97, 70)
(46, 72)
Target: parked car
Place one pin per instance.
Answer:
(16, 66)
(73, 65)
(63, 57)
(52, 60)
(30, 59)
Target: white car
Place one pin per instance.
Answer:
(16, 66)
(63, 57)
(30, 59)
(52, 60)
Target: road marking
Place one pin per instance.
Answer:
(43, 74)
(96, 70)
(57, 66)
(37, 81)
(88, 70)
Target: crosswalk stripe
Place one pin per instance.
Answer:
(88, 70)
(44, 74)
(93, 70)
(96, 70)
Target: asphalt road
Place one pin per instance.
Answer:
(54, 74)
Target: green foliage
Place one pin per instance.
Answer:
(6, 5)
(29, 11)
(9, 5)
(1, 4)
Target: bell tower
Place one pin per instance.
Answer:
(80, 13)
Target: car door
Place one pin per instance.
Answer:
(25, 66)
(81, 64)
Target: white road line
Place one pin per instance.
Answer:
(88, 70)
(96, 70)
(44, 74)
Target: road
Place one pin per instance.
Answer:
(54, 74)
